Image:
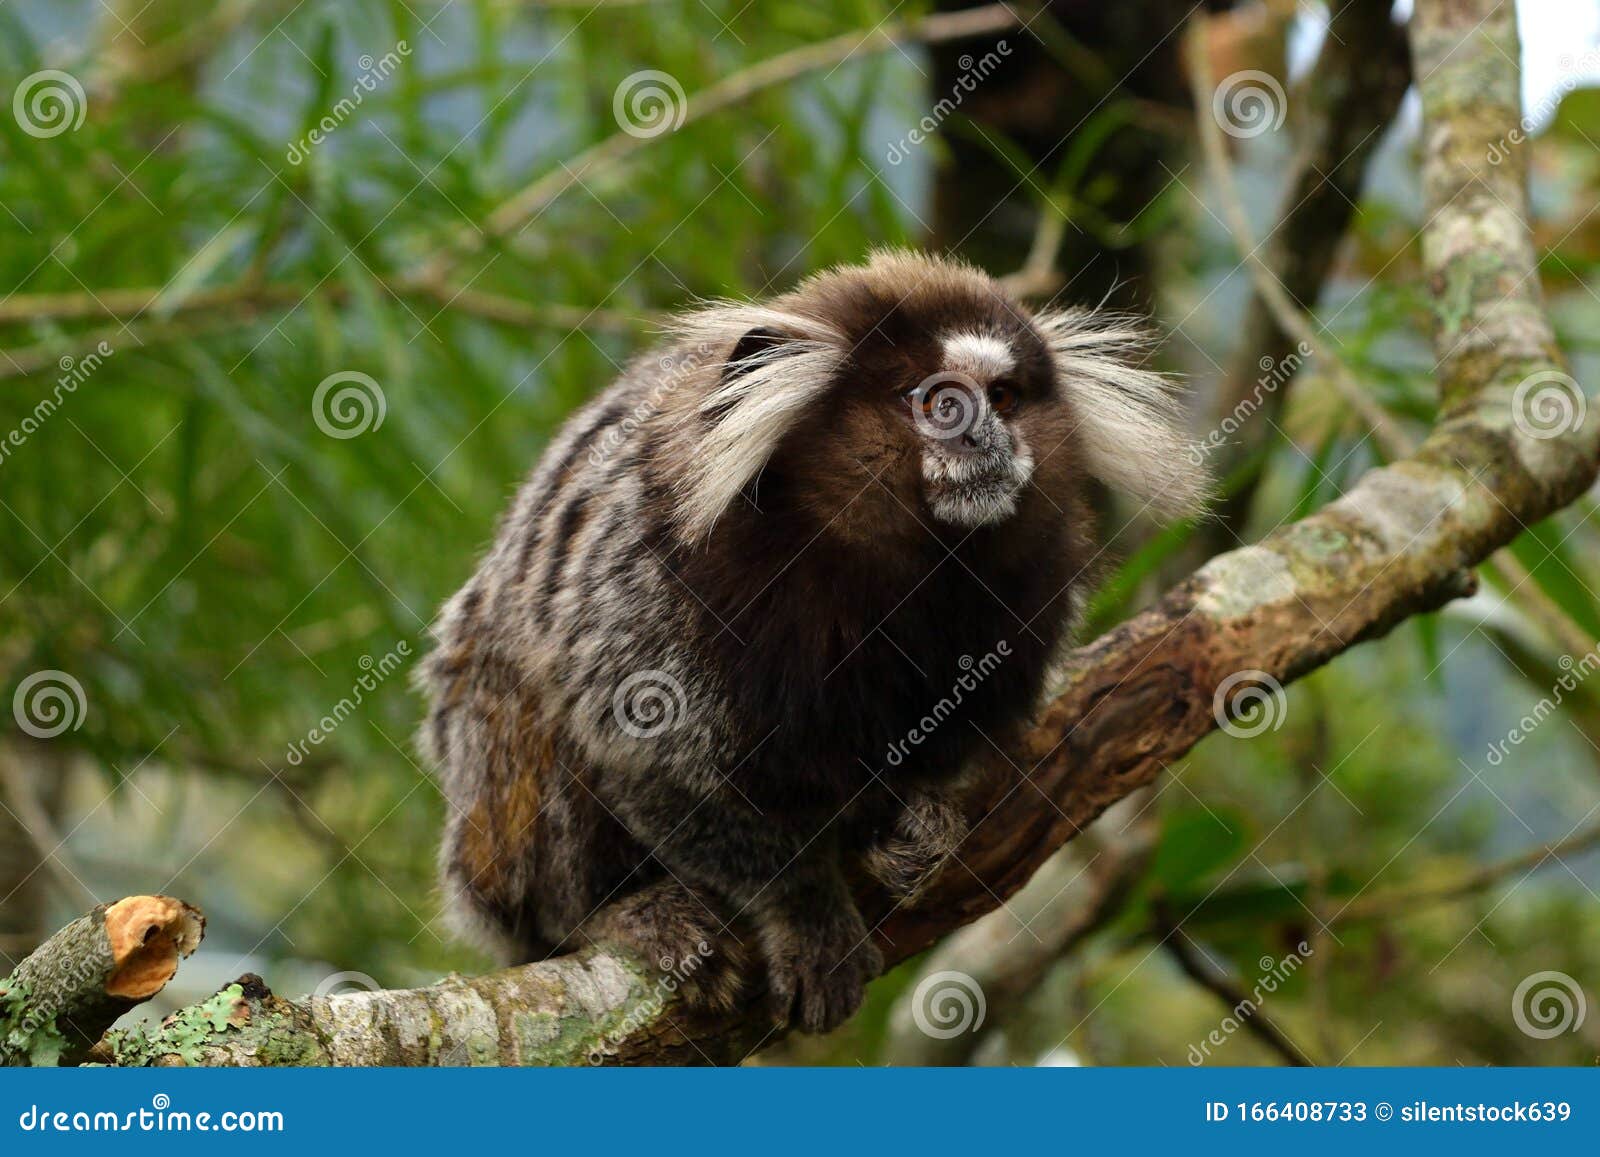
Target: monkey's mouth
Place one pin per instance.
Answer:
(972, 490)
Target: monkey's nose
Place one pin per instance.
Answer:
(975, 436)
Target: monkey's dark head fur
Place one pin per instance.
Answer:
(781, 580)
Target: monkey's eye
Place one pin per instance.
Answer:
(919, 397)
(1003, 397)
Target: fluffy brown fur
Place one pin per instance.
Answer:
(760, 603)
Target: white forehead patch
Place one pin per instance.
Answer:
(981, 355)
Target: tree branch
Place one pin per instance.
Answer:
(431, 280)
(1400, 902)
(1203, 972)
(1285, 319)
(61, 999)
(221, 307)
(1290, 321)
(1008, 953)
(24, 806)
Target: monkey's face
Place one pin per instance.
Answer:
(973, 456)
(952, 415)
(913, 395)
(929, 422)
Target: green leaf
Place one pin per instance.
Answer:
(1196, 842)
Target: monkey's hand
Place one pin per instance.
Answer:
(924, 835)
(678, 935)
(818, 964)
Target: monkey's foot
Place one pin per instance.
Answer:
(817, 973)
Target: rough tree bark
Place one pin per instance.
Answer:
(1401, 542)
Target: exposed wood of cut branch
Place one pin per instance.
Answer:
(64, 996)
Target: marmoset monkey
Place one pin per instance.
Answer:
(691, 683)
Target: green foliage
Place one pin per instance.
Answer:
(181, 537)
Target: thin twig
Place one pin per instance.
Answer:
(35, 821)
(1544, 610)
(1012, 950)
(159, 304)
(1401, 901)
(1038, 276)
(145, 313)
(515, 213)
(1396, 444)
(1258, 1022)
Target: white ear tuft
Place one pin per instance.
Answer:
(1130, 420)
(753, 406)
